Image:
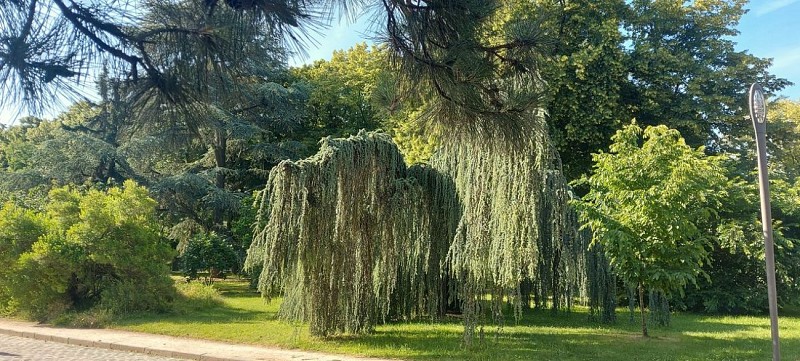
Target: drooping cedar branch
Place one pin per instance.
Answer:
(478, 69)
(344, 237)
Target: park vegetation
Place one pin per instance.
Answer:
(482, 160)
(86, 249)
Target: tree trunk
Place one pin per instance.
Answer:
(641, 308)
(220, 150)
(525, 290)
(555, 279)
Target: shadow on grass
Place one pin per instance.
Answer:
(545, 336)
(235, 288)
(234, 304)
(216, 314)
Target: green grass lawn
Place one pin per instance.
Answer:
(243, 317)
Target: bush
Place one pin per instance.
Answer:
(19, 228)
(207, 252)
(86, 250)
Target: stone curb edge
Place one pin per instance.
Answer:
(114, 346)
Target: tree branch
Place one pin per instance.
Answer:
(75, 19)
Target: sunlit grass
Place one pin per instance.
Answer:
(243, 317)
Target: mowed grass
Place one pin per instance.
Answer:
(243, 317)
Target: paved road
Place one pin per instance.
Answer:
(14, 348)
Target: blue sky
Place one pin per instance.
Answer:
(771, 29)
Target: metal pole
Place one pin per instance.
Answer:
(758, 114)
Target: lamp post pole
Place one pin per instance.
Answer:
(758, 114)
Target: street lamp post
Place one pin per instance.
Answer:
(758, 114)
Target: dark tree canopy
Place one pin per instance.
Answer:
(660, 62)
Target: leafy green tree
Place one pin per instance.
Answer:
(685, 72)
(207, 252)
(87, 249)
(650, 203)
(340, 102)
(784, 139)
(587, 75)
(736, 282)
(659, 61)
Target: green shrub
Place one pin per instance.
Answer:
(207, 252)
(129, 296)
(97, 249)
(19, 229)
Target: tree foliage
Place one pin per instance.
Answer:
(586, 74)
(50, 46)
(784, 130)
(86, 249)
(337, 231)
(736, 282)
(686, 71)
(352, 236)
(341, 98)
(650, 206)
(660, 62)
(516, 228)
(359, 89)
(476, 73)
(78, 146)
(207, 252)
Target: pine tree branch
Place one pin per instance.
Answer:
(76, 20)
(26, 29)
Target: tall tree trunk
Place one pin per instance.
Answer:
(525, 290)
(220, 150)
(641, 308)
(555, 279)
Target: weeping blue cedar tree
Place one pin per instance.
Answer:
(352, 237)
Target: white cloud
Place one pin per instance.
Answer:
(768, 6)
